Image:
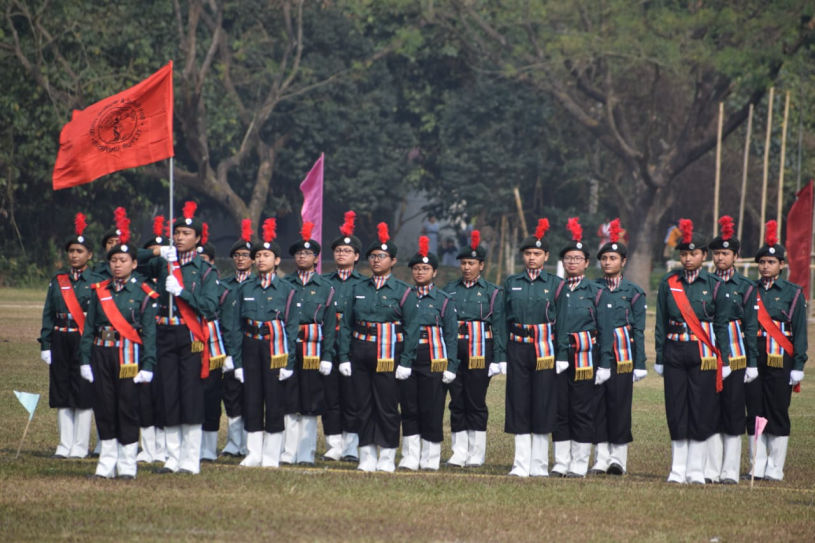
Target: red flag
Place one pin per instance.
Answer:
(799, 238)
(312, 210)
(129, 129)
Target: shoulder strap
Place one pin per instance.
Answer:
(444, 306)
(559, 288)
(597, 297)
(404, 297)
(288, 305)
(328, 302)
(635, 298)
(492, 300)
(716, 288)
(747, 295)
(794, 301)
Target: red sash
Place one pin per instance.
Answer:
(198, 328)
(113, 314)
(693, 323)
(769, 326)
(69, 297)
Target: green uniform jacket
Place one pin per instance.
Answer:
(707, 308)
(202, 288)
(343, 298)
(55, 304)
(102, 269)
(584, 311)
(137, 308)
(314, 303)
(778, 300)
(383, 305)
(626, 307)
(429, 313)
(534, 302)
(741, 292)
(251, 301)
(477, 304)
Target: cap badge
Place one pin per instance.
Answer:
(384, 246)
(725, 244)
(306, 245)
(538, 243)
(425, 259)
(474, 253)
(188, 221)
(80, 239)
(772, 250)
(579, 245)
(346, 240)
(124, 248)
(614, 246)
(692, 246)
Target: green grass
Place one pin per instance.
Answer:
(46, 499)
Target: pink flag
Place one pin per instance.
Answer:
(312, 210)
(761, 423)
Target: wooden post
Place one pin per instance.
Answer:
(766, 163)
(780, 202)
(718, 177)
(745, 167)
(520, 207)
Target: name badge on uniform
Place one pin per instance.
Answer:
(248, 299)
(359, 297)
(517, 288)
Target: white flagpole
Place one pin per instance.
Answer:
(170, 309)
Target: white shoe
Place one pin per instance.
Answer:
(350, 445)
(271, 449)
(307, 442)
(539, 465)
(459, 442)
(523, 455)
(291, 436)
(190, 460)
(148, 444)
(410, 452)
(234, 437)
(579, 465)
(776, 457)
(695, 471)
(563, 457)
(108, 456)
(334, 444)
(367, 458)
(254, 448)
(82, 433)
(65, 425)
(714, 452)
(430, 456)
(477, 448)
(679, 461)
(209, 446)
(386, 460)
(602, 457)
(126, 463)
(172, 439)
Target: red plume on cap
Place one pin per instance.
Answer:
(118, 214)
(269, 229)
(686, 227)
(475, 239)
(543, 226)
(204, 233)
(189, 209)
(726, 224)
(771, 236)
(80, 224)
(122, 224)
(424, 245)
(246, 230)
(614, 230)
(382, 232)
(158, 225)
(306, 230)
(573, 224)
(347, 228)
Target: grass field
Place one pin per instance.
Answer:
(46, 499)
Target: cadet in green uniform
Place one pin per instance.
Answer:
(340, 415)
(625, 304)
(109, 240)
(375, 333)
(313, 310)
(421, 395)
(782, 352)
(481, 351)
(588, 366)
(261, 340)
(59, 345)
(724, 447)
(688, 361)
(118, 351)
(534, 306)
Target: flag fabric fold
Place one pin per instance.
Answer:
(29, 401)
(312, 210)
(129, 129)
(799, 237)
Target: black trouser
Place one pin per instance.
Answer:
(690, 394)
(421, 399)
(769, 395)
(115, 400)
(468, 392)
(310, 388)
(530, 394)
(290, 389)
(212, 401)
(179, 373)
(576, 405)
(612, 419)
(377, 395)
(732, 415)
(232, 394)
(262, 389)
(67, 388)
(150, 413)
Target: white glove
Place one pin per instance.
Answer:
(229, 364)
(750, 375)
(143, 377)
(494, 369)
(171, 285)
(325, 367)
(503, 367)
(168, 253)
(659, 368)
(796, 376)
(345, 369)
(602, 375)
(45, 356)
(639, 375)
(239, 374)
(86, 372)
(402, 373)
(285, 374)
(448, 377)
(561, 366)
(726, 371)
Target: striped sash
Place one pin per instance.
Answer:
(128, 358)
(438, 350)
(583, 366)
(312, 339)
(217, 352)
(738, 354)
(707, 354)
(775, 351)
(622, 350)
(477, 334)
(278, 344)
(385, 346)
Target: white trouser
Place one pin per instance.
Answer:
(459, 443)
(411, 449)
(350, 445)
(731, 458)
(334, 444)
(679, 461)
(307, 442)
(172, 438)
(539, 464)
(758, 455)
(271, 449)
(65, 425)
(521, 465)
(776, 457)
(209, 445)
(126, 462)
(148, 444)
(477, 450)
(618, 454)
(386, 460)
(602, 456)
(695, 470)
(108, 456)
(190, 459)
(254, 450)
(161, 446)
(235, 439)
(367, 458)
(291, 436)
(430, 456)
(563, 457)
(579, 463)
(714, 451)
(82, 433)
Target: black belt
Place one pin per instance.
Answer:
(681, 328)
(106, 334)
(462, 328)
(262, 330)
(518, 330)
(371, 330)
